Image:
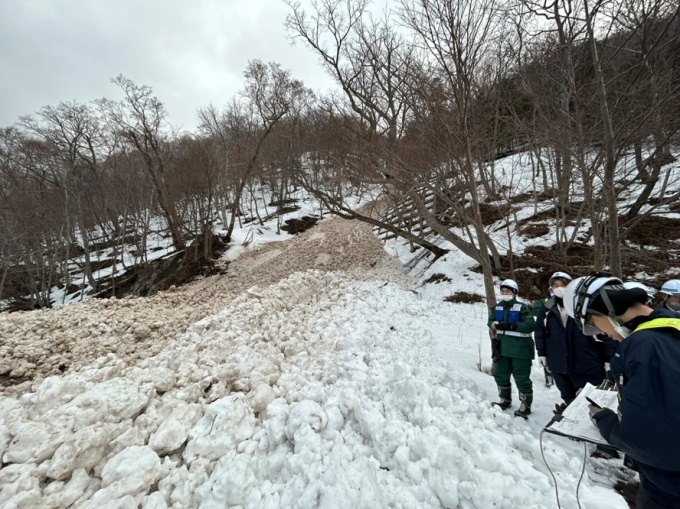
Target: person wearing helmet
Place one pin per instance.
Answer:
(512, 323)
(540, 303)
(573, 358)
(537, 310)
(650, 291)
(647, 368)
(670, 293)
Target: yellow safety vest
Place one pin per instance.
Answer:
(658, 323)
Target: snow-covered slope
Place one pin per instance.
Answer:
(315, 373)
(318, 391)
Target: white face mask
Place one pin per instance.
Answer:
(506, 298)
(559, 292)
(624, 332)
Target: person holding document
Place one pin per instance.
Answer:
(647, 370)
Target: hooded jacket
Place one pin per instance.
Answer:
(647, 367)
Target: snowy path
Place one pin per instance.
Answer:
(324, 389)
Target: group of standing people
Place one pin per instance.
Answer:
(599, 329)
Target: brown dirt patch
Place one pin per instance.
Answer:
(437, 278)
(464, 297)
(654, 231)
(533, 231)
(493, 213)
(295, 226)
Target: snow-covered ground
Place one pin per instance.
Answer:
(321, 390)
(315, 373)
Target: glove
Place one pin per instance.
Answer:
(592, 412)
(608, 373)
(495, 350)
(559, 408)
(608, 383)
(506, 326)
(543, 362)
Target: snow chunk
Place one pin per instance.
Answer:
(305, 415)
(109, 401)
(174, 430)
(163, 379)
(19, 486)
(226, 422)
(33, 443)
(84, 449)
(129, 473)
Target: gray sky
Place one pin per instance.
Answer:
(191, 52)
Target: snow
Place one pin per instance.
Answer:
(318, 391)
(314, 374)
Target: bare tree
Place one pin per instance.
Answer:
(270, 95)
(78, 143)
(140, 120)
(460, 38)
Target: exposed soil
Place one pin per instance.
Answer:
(465, 297)
(657, 231)
(534, 231)
(295, 226)
(437, 278)
(197, 260)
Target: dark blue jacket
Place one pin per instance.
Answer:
(647, 428)
(567, 349)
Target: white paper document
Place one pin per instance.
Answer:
(576, 423)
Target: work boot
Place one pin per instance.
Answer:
(525, 405)
(505, 393)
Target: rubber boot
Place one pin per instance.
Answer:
(505, 393)
(525, 405)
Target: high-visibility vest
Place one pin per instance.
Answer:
(660, 323)
(514, 315)
(656, 323)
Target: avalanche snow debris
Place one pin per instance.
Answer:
(323, 391)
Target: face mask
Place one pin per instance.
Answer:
(675, 306)
(559, 292)
(622, 331)
(506, 298)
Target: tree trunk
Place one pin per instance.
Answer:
(610, 194)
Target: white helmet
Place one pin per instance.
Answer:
(671, 287)
(579, 296)
(649, 291)
(510, 283)
(559, 275)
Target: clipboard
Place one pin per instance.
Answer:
(575, 420)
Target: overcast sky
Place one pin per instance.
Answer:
(191, 52)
